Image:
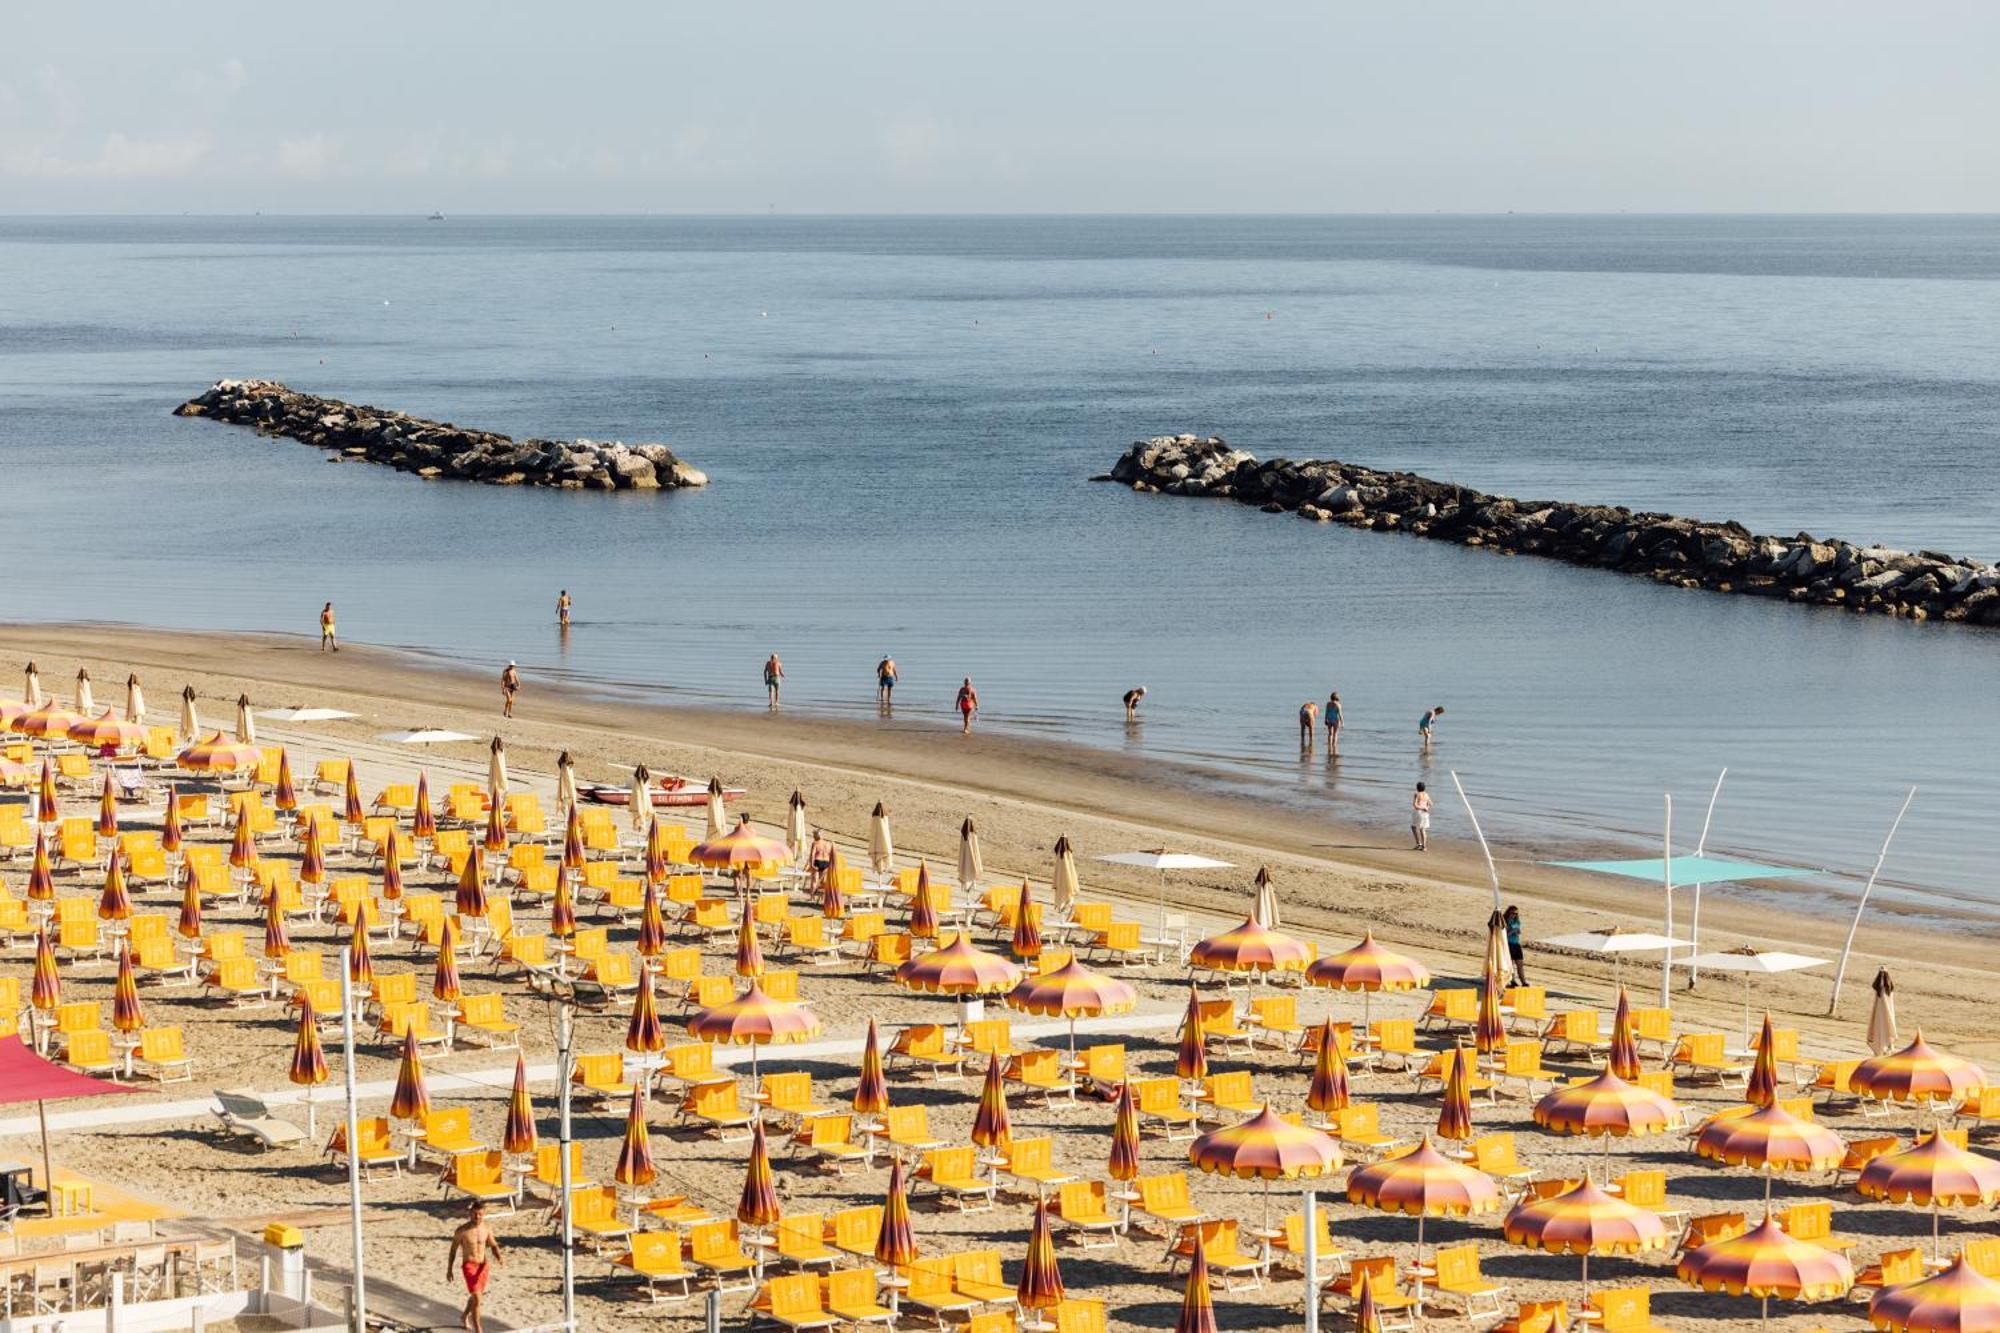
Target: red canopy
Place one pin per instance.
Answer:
(26, 1077)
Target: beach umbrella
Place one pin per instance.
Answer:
(392, 865)
(831, 905)
(1489, 1030)
(1367, 1319)
(1425, 1184)
(970, 867)
(1250, 947)
(1765, 1262)
(1070, 992)
(1761, 1089)
(1455, 1117)
(1124, 1160)
(496, 771)
(495, 838)
(308, 1061)
(565, 781)
(1266, 1147)
(107, 809)
(1191, 1050)
(425, 736)
(190, 722)
(470, 900)
(635, 1154)
(991, 1127)
(242, 841)
(652, 925)
(444, 979)
(749, 954)
(881, 847)
(519, 1137)
(959, 968)
(189, 924)
(312, 856)
(656, 850)
(276, 942)
(11, 773)
(757, 1206)
(47, 810)
(246, 730)
(285, 794)
(795, 823)
(127, 1014)
(352, 812)
(871, 1090)
(1917, 1073)
(1062, 879)
(1027, 940)
(1624, 1054)
(1749, 963)
(895, 1240)
(1605, 1107)
(31, 691)
(1882, 1037)
(114, 903)
(411, 1100)
(1041, 1285)
(423, 820)
(1160, 860)
(573, 855)
(1368, 968)
(105, 732)
(45, 993)
(11, 712)
(49, 722)
(216, 755)
(41, 874)
(1960, 1299)
(1264, 911)
(643, 1033)
(562, 910)
(170, 822)
(755, 1020)
(640, 808)
(923, 910)
(360, 962)
(1327, 1092)
(1198, 1300)
(1769, 1140)
(741, 850)
(135, 700)
(1935, 1174)
(84, 701)
(1585, 1221)
(717, 821)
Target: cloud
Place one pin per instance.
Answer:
(121, 157)
(913, 144)
(309, 158)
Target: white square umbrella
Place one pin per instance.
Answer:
(1162, 860)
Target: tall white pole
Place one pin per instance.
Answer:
(563, 1182)
(1862, 906)
(360, 1304)
(1312, 1261)
(1492, 871)
(1667, 878)
(1701, 849)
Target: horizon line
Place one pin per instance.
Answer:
(971, 214)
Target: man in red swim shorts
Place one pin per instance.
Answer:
(476, 1251)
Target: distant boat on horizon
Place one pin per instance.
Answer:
(435, 217)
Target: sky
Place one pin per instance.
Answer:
(621, 106)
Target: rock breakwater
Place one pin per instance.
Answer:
(439, 448)
(1723, 557)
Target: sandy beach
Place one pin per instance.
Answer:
(1334, 882)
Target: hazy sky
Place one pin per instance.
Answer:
(639, 105)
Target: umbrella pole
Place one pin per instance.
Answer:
(1418, 1293)
(48, 1172)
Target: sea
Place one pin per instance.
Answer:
(901, 417)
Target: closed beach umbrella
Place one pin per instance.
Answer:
(562, 910)
(1264, 911)
(1124, 1161)
(243, 842)
(1198, 1300)
(495, 839)
(412, 1101)
(991, 1127)
(923, 910)
(641, 808)
(1070, 992)
(573, 855)
(31, 689)
(749, 954)
(312, 856)
(565, 782)
(170, 823)
(959, 968)
(1961, 1299)
(470, 900)
(1041, 1285)
(896, 1240)
(717, 821)
(107, 809)
(1769, 1140)
(871, 1090)
(190, 720)
(755, 1020)
(277, 943)
(1765, 1262)
(970, 868)
(1266, 1147)
(795, 824)
(1761, 1089)
(1455, 1117)
(1882, 1037)
(1250, 947)
(246, 730)
(114, 903)
(47, 810)
(308, 1068)
(832, 906)
(1624, 1056)
(392, 866)
(41, 873)
(285, 794)
(652, 925)
(84, 701)
(189, 924)
(1327, 1092)
(643, 1033)
(360, 962)
(45, 992)
(423, 820)
(1489, 1029)
(1917, 1073)
(127, 1014)
(1191, 1050)
(1935, 1174)
(757, 1206)
(518, 1136)
(444, 980)
(135, 700)
(656, 851)
(1062, 881)
(1585, 1221)
(352, 812)
(881, 847)
(1027, 941)
(1368, 968)
(496, 771)
(635, 1154)
(1367, 1319)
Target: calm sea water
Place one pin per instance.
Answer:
(899, 416)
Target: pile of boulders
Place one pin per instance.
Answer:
(438, 448)
(1725, 557)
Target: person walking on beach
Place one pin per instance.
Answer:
(774, 674)
(1420, 818)
(885, 680)
(1424, 725)
(1512, 921)
(819, 855)
(327, 641)
(562, 608)
(968, 703)
(510, 685)
(1132, 698)
(476, 1251)
(1308, 719)
(1332, 719)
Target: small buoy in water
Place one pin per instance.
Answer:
(385, 303)
(763, 314)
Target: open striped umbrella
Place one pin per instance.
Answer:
(49, 722)
(923, 911)
(1191, 1051)
(1027, 941)
(573, 856)
(46, 991)
(741, 849)
(352, 812)
(1769, 1140)
(1368, 968)
(1762, 1087)
(242, 841)
(643, 1033)
(392, 865)
(749, 954)
(107, 809)
(831, 905)
(47, 809)
(562, 910)
(1489, 1031)
(1624, 1060)
(471, 896)
(127, 1014)
(1455, 1117)
(1765, 1262)
(308, 1068)
(1041, 1285)
(519, 1137)
(881, 847)
(1935, 1174)
(652, 925)
(107, 732)
(1584, 1221)
(1960, 1299)
(1198, 1300)
(1424, 1183)
(871, 1090)
(444, 980)
(970, 867)
(991, 1127)
(635, 1154)
(170, 823)
(1124, 1161)
(312, 856)
(959, 968)
(216, 755)
(11, 712)
(423, 820)
(1070, 992)
(755, 1020)
(758, 1205)
(495, 839)
(41, 875)
(115, 902)
(189, 922)
(1917, 1073)
(1327, 1092)
(285, 794)
(277, 943)
(360, 962)
(1266, 1147)
(1604, 1107)
(412, 1101)
(896, 1240)
(656, 851)
(1250, 947)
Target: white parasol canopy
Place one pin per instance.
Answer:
(1162, 860)
(426, 736)
(301, 713)
(1752, 963)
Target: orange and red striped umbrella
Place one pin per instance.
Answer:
(742, 848)
(1041, 1284)
(1191, 1051)
(1606, 1106)
(1584, 1221)
(46, 992)
(1489, 1030)
(1769, 1139)
(170, 823)
(1624, 1060)
(284, 793)
(1027, 940)
(46, 811)
(656, 851)
(1917, 1073)
(1762, 1088)
(758, 1205)
(216, 755)
(519, 1135)
(959, 968)
(1765, 1262)
(1368, 967)
(991, 1127)
(871, 1091)
(106, 732)
(1425, 1183)
(755, 1020)
(1455, 1117)
(471, 897)
(652, 925)
(277, 943)
(1265, 1147)
(107, 810)
(50, 721)
(189, 923)
(749, 954)
(1935, 1174)
(831, 905)
(1198, 1300)
(495, 840)
(1367, 1319)
(42, 875)
(242, 841)
(312, 856)
(573, 855)
(392, 866)
(444, 979)
(562, 911)
(1960, 1299)
(114, 903)
(1072, 991)
(1124, 1163)
(635, 1154)
(360, 961)
(308, 1055)
(127, 1014)
(1250, 947)
(896, 1240)
(412, 1101)
(423, 820)
(352, 812)
(923, 911)
(643, 1032)
(1327, 1092)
